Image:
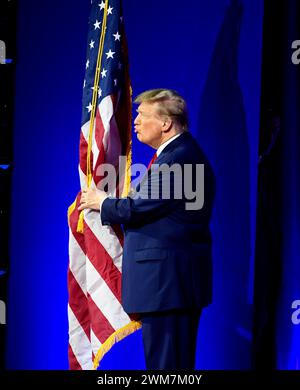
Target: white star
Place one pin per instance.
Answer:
(115, 81)
(97, 24)
(102, 5)
(100, 92)
(87, 64)
(84, 82)
(92, 44)
(117, 36)
(89, 107)
(109, 10)
(110, 54)
(94, 88)
(103, 73)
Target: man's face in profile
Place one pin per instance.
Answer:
(148, 124)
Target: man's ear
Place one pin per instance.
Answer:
(167, 124)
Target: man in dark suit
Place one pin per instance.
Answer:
(167, 265)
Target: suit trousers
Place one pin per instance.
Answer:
(170, 338)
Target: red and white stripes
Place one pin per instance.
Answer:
(96, 316)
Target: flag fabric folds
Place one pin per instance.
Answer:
(96, 317)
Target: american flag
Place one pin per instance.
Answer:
(96, 317)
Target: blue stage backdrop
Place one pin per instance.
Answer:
(210, 51)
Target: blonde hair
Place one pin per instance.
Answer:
(170, 104)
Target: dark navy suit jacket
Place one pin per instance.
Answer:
(167, 262)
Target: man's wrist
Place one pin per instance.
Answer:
(101, 202)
